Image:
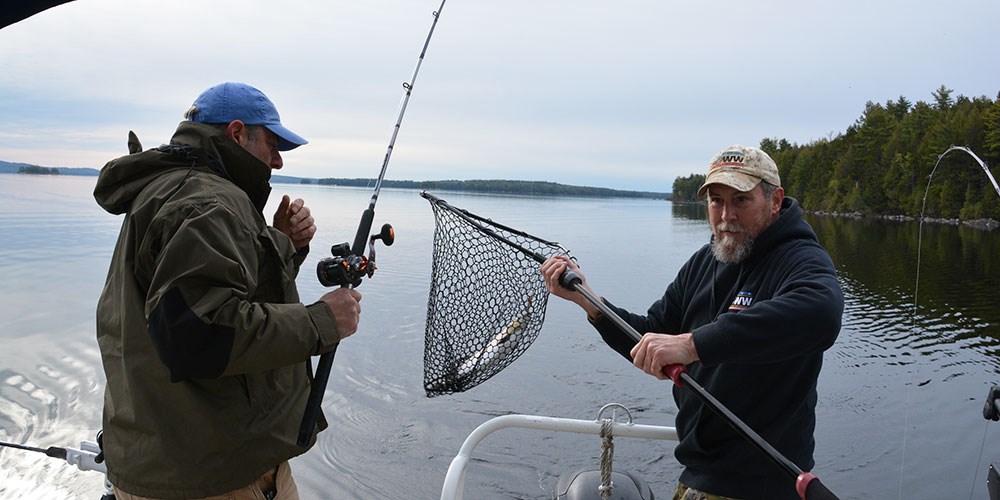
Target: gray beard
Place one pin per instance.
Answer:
(731, 253)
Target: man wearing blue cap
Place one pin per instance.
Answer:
(204, 340)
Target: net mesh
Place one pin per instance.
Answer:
(487, 298)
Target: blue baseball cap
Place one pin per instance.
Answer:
(230, 101)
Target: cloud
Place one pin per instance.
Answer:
(581, 92)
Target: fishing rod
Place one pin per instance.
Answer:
(87, 457)
(349, 264)
(807, 485)
(923, 207)
(991, 411)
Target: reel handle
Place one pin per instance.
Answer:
(347, 267)
(387, 235)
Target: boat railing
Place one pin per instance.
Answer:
(454, 481)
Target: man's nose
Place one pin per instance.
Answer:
(728, 212)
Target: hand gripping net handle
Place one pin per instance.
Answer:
(487, 298)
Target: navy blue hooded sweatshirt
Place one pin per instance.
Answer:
(760, 328)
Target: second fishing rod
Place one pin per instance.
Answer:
(349, 264)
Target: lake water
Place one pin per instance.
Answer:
(901, 393)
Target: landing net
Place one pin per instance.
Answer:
(487, 298)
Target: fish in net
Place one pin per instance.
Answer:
(487, 298)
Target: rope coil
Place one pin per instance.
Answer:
(608, 446)
(607, 455)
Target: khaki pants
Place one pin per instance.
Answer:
(685, 492)
(275, 484)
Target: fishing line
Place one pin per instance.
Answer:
(916, 290)
(982, 447)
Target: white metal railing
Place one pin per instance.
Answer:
(454, 481)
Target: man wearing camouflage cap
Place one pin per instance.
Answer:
(749, 315)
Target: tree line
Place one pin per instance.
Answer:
(882, 163)
(528, 188)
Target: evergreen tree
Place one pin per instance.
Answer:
(685, 189)
(991, 132)
(899, 108)
(942, 98)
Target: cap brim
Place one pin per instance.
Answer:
(287, 140)
(735, 180)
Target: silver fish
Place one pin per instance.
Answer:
(498, 349)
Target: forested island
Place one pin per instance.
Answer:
(7, 167)
(36, 170)
(881, 164)
(526, 188)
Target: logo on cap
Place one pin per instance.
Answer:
(730, 159)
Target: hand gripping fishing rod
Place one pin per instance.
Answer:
(349, 264)
(807, 485)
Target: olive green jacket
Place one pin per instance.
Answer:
(204, 342)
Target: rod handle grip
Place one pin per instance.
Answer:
(315, 401)
(809, 487)
(364, 227)
(674, 372)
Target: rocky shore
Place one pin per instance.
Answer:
(981, 224)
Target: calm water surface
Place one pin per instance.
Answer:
(901, 393)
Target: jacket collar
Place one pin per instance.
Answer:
(226, 158)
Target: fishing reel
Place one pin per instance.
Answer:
(348, 268)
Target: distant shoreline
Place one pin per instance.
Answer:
(485, 186)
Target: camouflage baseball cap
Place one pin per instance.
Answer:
(741, 168)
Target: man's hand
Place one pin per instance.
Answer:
(656, 351)
(553, 268)
(294, 219)
(345, 304)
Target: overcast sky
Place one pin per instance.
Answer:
(625, 95)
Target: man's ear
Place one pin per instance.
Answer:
(237, 131)
(776, 199)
